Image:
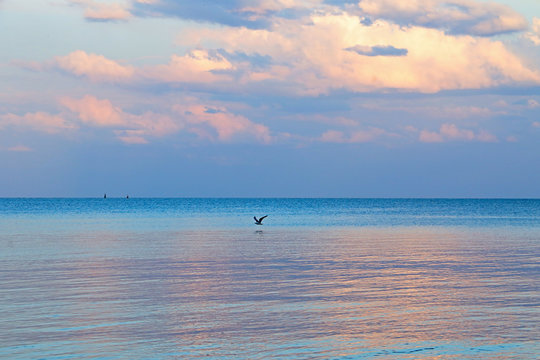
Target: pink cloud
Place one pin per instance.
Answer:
(434, 61)
(430, 137)
(95, 111)
(466, 16)
(20, 148)
(39, 121)
(95, 67)
(314, 59)
(129, 128)
(197, 66)
(260, 8)
(450, 132)
(100, 11)
(411, 129)
(359, 136)
(533, 104)
(485, 136)
(154, 124)
(30, 65)
(131, 136)
(444, 112)
(367, 136)
(226, 124)
(333, 136)
(511, 138)
(133, 139)
(136, 128)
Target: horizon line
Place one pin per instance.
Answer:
(275, 197)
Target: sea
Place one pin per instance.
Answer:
(179, 278)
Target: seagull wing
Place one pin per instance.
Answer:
(256, 219)
(261, 219)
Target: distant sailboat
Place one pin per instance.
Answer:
(104, 196)
(259, 221)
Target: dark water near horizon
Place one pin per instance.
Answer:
(322, 279)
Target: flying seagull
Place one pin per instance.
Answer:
(259, 222)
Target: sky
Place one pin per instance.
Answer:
(270, 98)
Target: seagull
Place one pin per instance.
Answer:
(259, 222)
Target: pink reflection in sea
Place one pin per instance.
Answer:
(288, 293)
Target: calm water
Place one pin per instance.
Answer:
(322, 279)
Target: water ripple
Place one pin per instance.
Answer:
(342, 293)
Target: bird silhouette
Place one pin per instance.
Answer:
(259, 221)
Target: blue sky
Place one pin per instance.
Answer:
(386, 98)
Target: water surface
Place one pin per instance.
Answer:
(322, 279)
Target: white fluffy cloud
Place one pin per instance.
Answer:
(326, 51)
(384, 46)
(315, 56)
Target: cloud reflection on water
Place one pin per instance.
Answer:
(377, 292)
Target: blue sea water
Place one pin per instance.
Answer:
(321, 279)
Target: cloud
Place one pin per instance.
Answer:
(511, 138)
(131, 136)
(227, 125)
(533, 104)
(534, 34)
(450, 132)
(485, 136)
(378, 50)
(20, 148)
(100, 11)
(317, 55)
(38, 121)
(30, 65)
(197, 66)
(358, 136)
(137, 128)
(130, 128)
(435, 111)
(430, 137)
(526, 103)
(333, 136)
(94, 111)
(214, 11)
(213, 122)
(453, 16)
(311, 57)
(94, 67)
